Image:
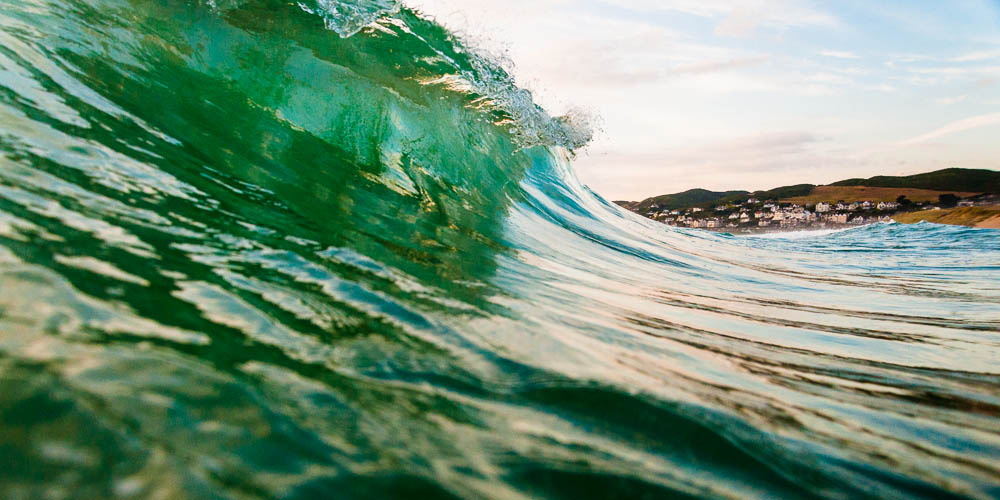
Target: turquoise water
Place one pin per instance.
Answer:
(253, 249)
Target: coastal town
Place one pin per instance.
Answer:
(753, 215)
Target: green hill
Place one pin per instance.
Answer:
(949, 179)
(771, 194)
(689, 198)
(963, 180)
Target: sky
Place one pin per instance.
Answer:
(753, 94)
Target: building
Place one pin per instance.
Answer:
(822, 207)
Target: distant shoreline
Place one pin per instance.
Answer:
(931, 196)
(987, 217)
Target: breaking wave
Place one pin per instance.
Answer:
(254, 249)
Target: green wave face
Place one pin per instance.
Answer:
(261, 249)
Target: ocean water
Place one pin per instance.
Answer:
(260, 249)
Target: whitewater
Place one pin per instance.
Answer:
(260, 249)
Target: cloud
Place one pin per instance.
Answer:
(740, 23)
(982, 55)
(948, 101)
(970, 123)
(717, 66)
(839, 54)
(681, 102)
(745, 18)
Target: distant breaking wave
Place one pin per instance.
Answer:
(260, 249)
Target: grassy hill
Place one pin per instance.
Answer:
(849, 194)
(962, 182)
(949, 179)
(689, 198)
(771, 194)
(987, 217)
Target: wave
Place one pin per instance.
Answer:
(256, 249)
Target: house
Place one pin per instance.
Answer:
(712, 223)
(763, 223)
(887, 205)
(695, 210)
(822, 207)
(837, 218)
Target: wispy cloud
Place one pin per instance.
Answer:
(748, 15)
(948, 101)
(973, 122)
(723, 65)
(740, 23)
(981, 55)
(839, 54)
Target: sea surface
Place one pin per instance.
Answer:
(267, 249)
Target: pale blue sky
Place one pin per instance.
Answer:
(757, 93)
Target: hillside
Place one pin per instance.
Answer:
(689, 198)
(949, 179)
(984, 217)
(926, 187)
(862, 193)
(771, 194)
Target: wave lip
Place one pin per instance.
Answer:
(348, 17)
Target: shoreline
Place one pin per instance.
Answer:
(986, 217)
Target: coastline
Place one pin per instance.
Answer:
(987, 217)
